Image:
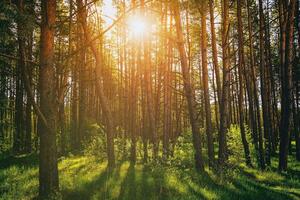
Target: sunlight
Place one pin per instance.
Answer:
(137, 25)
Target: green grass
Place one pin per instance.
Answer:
(86, 178)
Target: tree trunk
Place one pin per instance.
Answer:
(214, 49)
(257, 132)
(297, 89)
(48, 176)
(28, 133)
(19, 109)
(103, 100)
(189, 94)
(224, 106)
(286, 84)
(210, 145)
(241, 68)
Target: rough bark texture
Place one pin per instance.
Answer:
(48, 172)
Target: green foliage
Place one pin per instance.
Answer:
(183, 152)
(5, 146)
(96, 145)
(235, 146)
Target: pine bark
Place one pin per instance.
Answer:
(48, 171)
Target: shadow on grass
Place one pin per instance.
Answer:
(130, 182)
(266, 187)
(96, 187)
(128, 186)
(249, 189)
(23, 161)
(203, 186)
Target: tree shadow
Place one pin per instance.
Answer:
(128, 186)
(212, 187)
(285, 181)
(248, 189)
(241, 187)
(96, 187)
(24, 161)
(147, 183)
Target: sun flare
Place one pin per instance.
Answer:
(137, 25)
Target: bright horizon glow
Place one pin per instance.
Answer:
(137, 25)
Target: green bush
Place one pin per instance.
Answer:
(235, 145)
(96, 145)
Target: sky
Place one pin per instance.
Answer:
(109, 12)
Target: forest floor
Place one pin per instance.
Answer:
(83, 177)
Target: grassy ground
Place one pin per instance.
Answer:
(85, 178)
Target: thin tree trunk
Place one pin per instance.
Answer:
(257, 132)
(188, 88)
(103, 100)
(19, 109)
(224, 106)
(241, 68)
(214, 49)
(210, 146)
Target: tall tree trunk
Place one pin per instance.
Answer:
(28, 133)
(83, 77)
(224, 106)
(19, 109)
(149, 89)
(214, 49)
(297, 88)
(189, 94)
(103, 100)
(264, 84)
(210, 146)
(48, 176)
(257, 132)
(241, 68)
(286, 84)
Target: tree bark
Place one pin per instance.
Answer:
(286, 84)
(224, 106)
(210, 145)
(48, 172)
(241, 68)
(189, 94)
